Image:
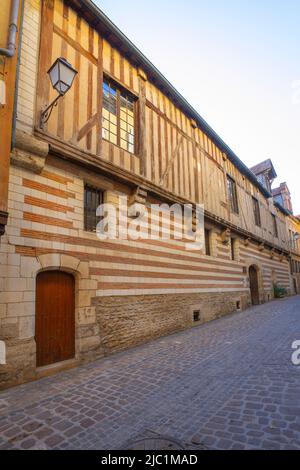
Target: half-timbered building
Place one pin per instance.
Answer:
(121, 130)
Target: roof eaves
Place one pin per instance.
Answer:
(282, 209)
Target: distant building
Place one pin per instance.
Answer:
(265, 173)
(282, 195)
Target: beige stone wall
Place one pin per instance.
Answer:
(28, 65)
(128, 321)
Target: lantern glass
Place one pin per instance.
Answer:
(62, 75)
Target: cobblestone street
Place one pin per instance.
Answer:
(228, 384)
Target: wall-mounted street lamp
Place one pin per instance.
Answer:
(62, 76)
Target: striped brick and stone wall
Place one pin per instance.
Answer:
(127, 292)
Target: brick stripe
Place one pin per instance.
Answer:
(57, 178)
(43, 219)
(44, 188)
(34, 201)
(161, 264)
(156, 275)
(139, 286)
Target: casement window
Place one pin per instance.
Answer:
(256, 211)
(118, 116)
(92, 199)
(232, 194)
(275, 228)
(207, 242)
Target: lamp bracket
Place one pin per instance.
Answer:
(46, 113)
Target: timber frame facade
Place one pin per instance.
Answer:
(123, 130)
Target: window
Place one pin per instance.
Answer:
(256, 211)
(92, 199)
(118, 116)
(232, 242)
(232, 194)
(278, 199)
(275, 229)
(207, 242)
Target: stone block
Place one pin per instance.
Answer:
(29, 266)
(84, 298)
(86, 315)
(88, 344)
(69, 262)
(21, 309)
(26, 327)
(50, 261)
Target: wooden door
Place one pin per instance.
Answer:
(55, 317)
(254, 285)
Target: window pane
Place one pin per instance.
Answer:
(113, 139)
(105, 114)
(113, 118)
(124, 144)
(113, 128)
(131, 148)
(123, 125)
(105, 134)
(123, 135)
(105, 123)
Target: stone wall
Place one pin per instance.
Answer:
(128, 321)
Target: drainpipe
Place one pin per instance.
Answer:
(6, 111)
(14, 119)
(12, 30)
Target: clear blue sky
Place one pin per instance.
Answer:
(237, 62)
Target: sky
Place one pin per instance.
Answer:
(236, 62)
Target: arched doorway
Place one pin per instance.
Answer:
(253, 276)
(55, 317)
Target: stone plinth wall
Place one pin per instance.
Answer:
(128, 321)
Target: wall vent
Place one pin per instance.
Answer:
(196, 316)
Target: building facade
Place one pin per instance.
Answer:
(122, 130)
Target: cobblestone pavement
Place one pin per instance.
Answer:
(228, 384)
